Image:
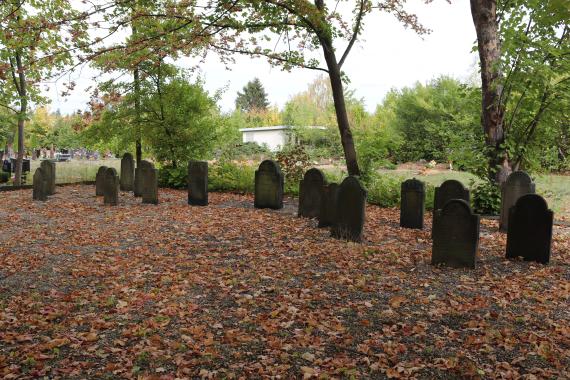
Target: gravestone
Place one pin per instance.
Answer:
(412, 205)
(269, 183)
(455, 235)
(530, 229)
(327, 211)
(40, 190)
(198, 183)
(127, 172)
(149, 183)
(311, 193)
(48, 168)
(350, 210)
(517, 184)
(448, 190)
(100, 181)
(137, 184)
(111, 187)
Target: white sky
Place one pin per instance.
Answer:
(387, 56)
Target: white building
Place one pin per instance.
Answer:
(274, 137)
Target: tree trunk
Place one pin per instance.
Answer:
(340, 108)
(137, 85)
(484, 13)
(22, 92)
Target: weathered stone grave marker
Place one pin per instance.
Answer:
(327, 210)
(198, 183)
(517, 184)
(127, 172)
(269, 184)
(40, 183)
(448, 190)
(350, 210)
(137, 183)
(111, 187)
(530, 229)
(412, 204)
(48, 168)
(311, 193)
(100, 181)
(455, 235)
(149, 183)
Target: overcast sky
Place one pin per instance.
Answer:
(387, 56)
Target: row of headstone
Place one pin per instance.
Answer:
(108, 182)
(44, 181)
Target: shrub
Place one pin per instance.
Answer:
(294, 162)
(486, 198)
(247, 150)
(176, 178)
(228, 176)
(383, 191)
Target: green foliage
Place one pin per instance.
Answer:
(242, 151)
(253, 97)
(294, 162)
(228, 176)
(486, 198)
(383, 190)
(173, 177)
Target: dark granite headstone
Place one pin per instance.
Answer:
(149, 183)
(111, 187)
(455, 235)
(350, 210)
(40, 184)
(48, 168)
(448, 190)
(517, 184)
(137, 184)
(198, 183)
(100, 181)
(269, 184)
(311, 193)
(127, 172)
(412, 205)
(530, 229)
(327, 211)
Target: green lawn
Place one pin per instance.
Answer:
(75, 171)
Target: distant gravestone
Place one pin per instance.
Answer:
(127, 172)
(530, 229)
(198, 183)
(149, 183)
(48, 168)
(412, 205)
(350, 210)
(137, 184)
(269, 183)
(327, 211)
(40, 190)
(455, 235)
(311, 193)
(517, 184)
(448, 190)
(100, 181)
(111, 187)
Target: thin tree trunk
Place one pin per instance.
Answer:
(22, 92)
(137, 85)
(340, 108)
(484, 13)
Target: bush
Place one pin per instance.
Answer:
(247, 150)
(486, 198)
(4, 177)
(176, 178)
(294, 162)
(227, 176)
(383, 191)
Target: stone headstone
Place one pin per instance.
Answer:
(40, 184)
(412, 204)
(311, 193)
(327, 211)
(48, 168)
(100, 181)
(149, 183)
(517, 184)
(455, 235)
(127, 172)
(448, 190)
(198, 183)
(350, 210)
(269, 184)
(530, 229)
(137, 184)
(111, 187)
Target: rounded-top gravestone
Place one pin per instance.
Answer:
(100, 181)
(517, 184)
(448, 190)
(269, 184)
(127, 172)
(350, 210)
(455, 235)
(412, 204)
(311, 193)
(530, 229)
(111, 187)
